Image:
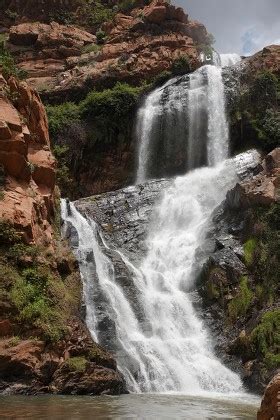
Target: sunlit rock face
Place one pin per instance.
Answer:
(139, 45)
(28, 166)
(270, 403)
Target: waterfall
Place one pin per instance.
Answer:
(162, 126)
(184, 121)
(228, 60)
(167, 348)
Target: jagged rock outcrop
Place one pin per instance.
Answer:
(44, 344)
(75, 365)
(262, 189)
(42, 50)
(270, 406)
(233, 284)
(124, 214)
(253, 108)
(268, 59)
(28, 181)
(138, 46)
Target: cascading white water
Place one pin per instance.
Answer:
(169, 350)
(228, 60)
(208, 129)
(217, 145)
(161, 125)
(145, 120)
(190, 110)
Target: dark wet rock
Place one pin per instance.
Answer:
(123, 215)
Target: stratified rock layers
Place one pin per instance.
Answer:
(138, 46)
(28, 197)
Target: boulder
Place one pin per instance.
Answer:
(75, 365)
(20, 359)
(156, 14)
(272, 160)
(262, 189)
(270, 405)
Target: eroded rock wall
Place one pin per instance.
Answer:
(45, 346)
(239, 285)
(28, 187)
(136, 47)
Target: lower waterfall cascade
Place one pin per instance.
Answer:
(170, 350)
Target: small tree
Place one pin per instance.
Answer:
(181, 66)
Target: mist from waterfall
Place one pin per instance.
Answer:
(168, 349)
(228, 60)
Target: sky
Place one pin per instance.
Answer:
(239, 26)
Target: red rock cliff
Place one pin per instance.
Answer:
(27, 164)
(136, 46)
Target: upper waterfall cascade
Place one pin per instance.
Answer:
(228, 60)
(186, 118)
(167, 349)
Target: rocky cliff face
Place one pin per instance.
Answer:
(44, 345)
(135, 47)
(27, 164)
(240, 284)
(253, 100)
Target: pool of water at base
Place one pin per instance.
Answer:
(133, 406)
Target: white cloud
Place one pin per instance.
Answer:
(243, 26)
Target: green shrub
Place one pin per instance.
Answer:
(268, 129)
(19, 250)
(8, 234)
(100, 37)
(61, 116)
(31, 295)
(11, 14)
(266, 336)
(91, 48)
(181, 66)
(61, 16)
(249, 249)
(7, 64)
(111, 107)
(99, 13)
(241, 303)
(14, 341)
(127, 5)
(272, 361)
(211, 39)
(161, 78)
(3, 38)
(264, 90)
(77, 364)
(264, 258)
(272, 217)
(8, 277)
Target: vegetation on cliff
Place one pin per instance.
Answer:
(39, 289)
(87, 13)
(262, 257)
(8, 66)
(255, 115)
(103, 120)
(242, 291)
